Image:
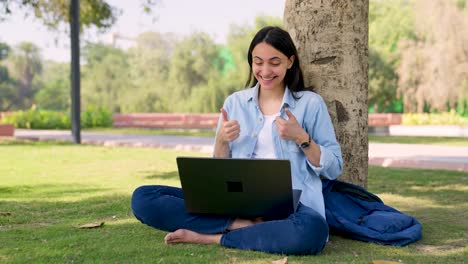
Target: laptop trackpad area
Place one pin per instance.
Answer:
(234, 186)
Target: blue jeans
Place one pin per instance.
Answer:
(162, 207)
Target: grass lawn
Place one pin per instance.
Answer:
(48, 189)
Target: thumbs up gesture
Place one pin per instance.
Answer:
(229, 130)
(290, 129)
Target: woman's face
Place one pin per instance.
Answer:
(269, 66)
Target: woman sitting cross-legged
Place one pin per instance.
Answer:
(277, 118)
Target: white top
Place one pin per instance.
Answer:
(264, 148)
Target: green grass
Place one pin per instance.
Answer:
(445, 141)
(48, 189)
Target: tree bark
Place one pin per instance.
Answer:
(332, 40)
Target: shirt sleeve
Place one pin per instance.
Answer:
(323, 134)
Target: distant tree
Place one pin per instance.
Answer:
(207, 97)
(153, 49)
(194, 60)
(433, 73)
(25, 64)
(149, 72)
(8, 93)
(390, 21)
(382, 82)
(105, 78)
(4, 50)
(55, 91)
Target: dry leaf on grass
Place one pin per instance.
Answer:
(5, 213)
(384, 262)
(280, 261)
(91, 225)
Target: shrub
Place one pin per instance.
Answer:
(446, 118)
(45, 119)
(38, 119)
(96, 117)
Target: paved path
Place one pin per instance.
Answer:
(387, 155)
(419, 156)
(188, 143)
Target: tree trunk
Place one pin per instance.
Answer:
(332, 40)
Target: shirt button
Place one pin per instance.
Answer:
(254, 135)
(260, 119)
(248, 155)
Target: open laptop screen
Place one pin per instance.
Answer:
(237, 187)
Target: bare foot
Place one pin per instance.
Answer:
(240, 223)
(187, 236)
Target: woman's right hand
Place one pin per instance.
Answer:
(229, 130)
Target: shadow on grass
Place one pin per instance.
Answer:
(167, 175)
(442, 187)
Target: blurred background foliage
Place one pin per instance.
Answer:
(418, 56)
(418, 63)
(160, 73)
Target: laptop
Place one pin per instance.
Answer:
(245, 188)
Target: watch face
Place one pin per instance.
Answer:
(306, 144)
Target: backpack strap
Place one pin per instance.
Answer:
(349, 189)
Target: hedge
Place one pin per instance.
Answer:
(45, 119)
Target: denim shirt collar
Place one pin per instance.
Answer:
(288, 99)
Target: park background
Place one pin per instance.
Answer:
(414, 67)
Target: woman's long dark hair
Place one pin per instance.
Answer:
(279, 39)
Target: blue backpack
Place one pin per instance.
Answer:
(353, 212)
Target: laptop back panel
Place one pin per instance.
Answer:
(237, 187)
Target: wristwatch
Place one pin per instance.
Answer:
(305, 144)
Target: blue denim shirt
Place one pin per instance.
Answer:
(311, 112)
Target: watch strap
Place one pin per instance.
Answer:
(305, 144)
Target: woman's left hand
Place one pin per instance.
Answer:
(290, 129)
